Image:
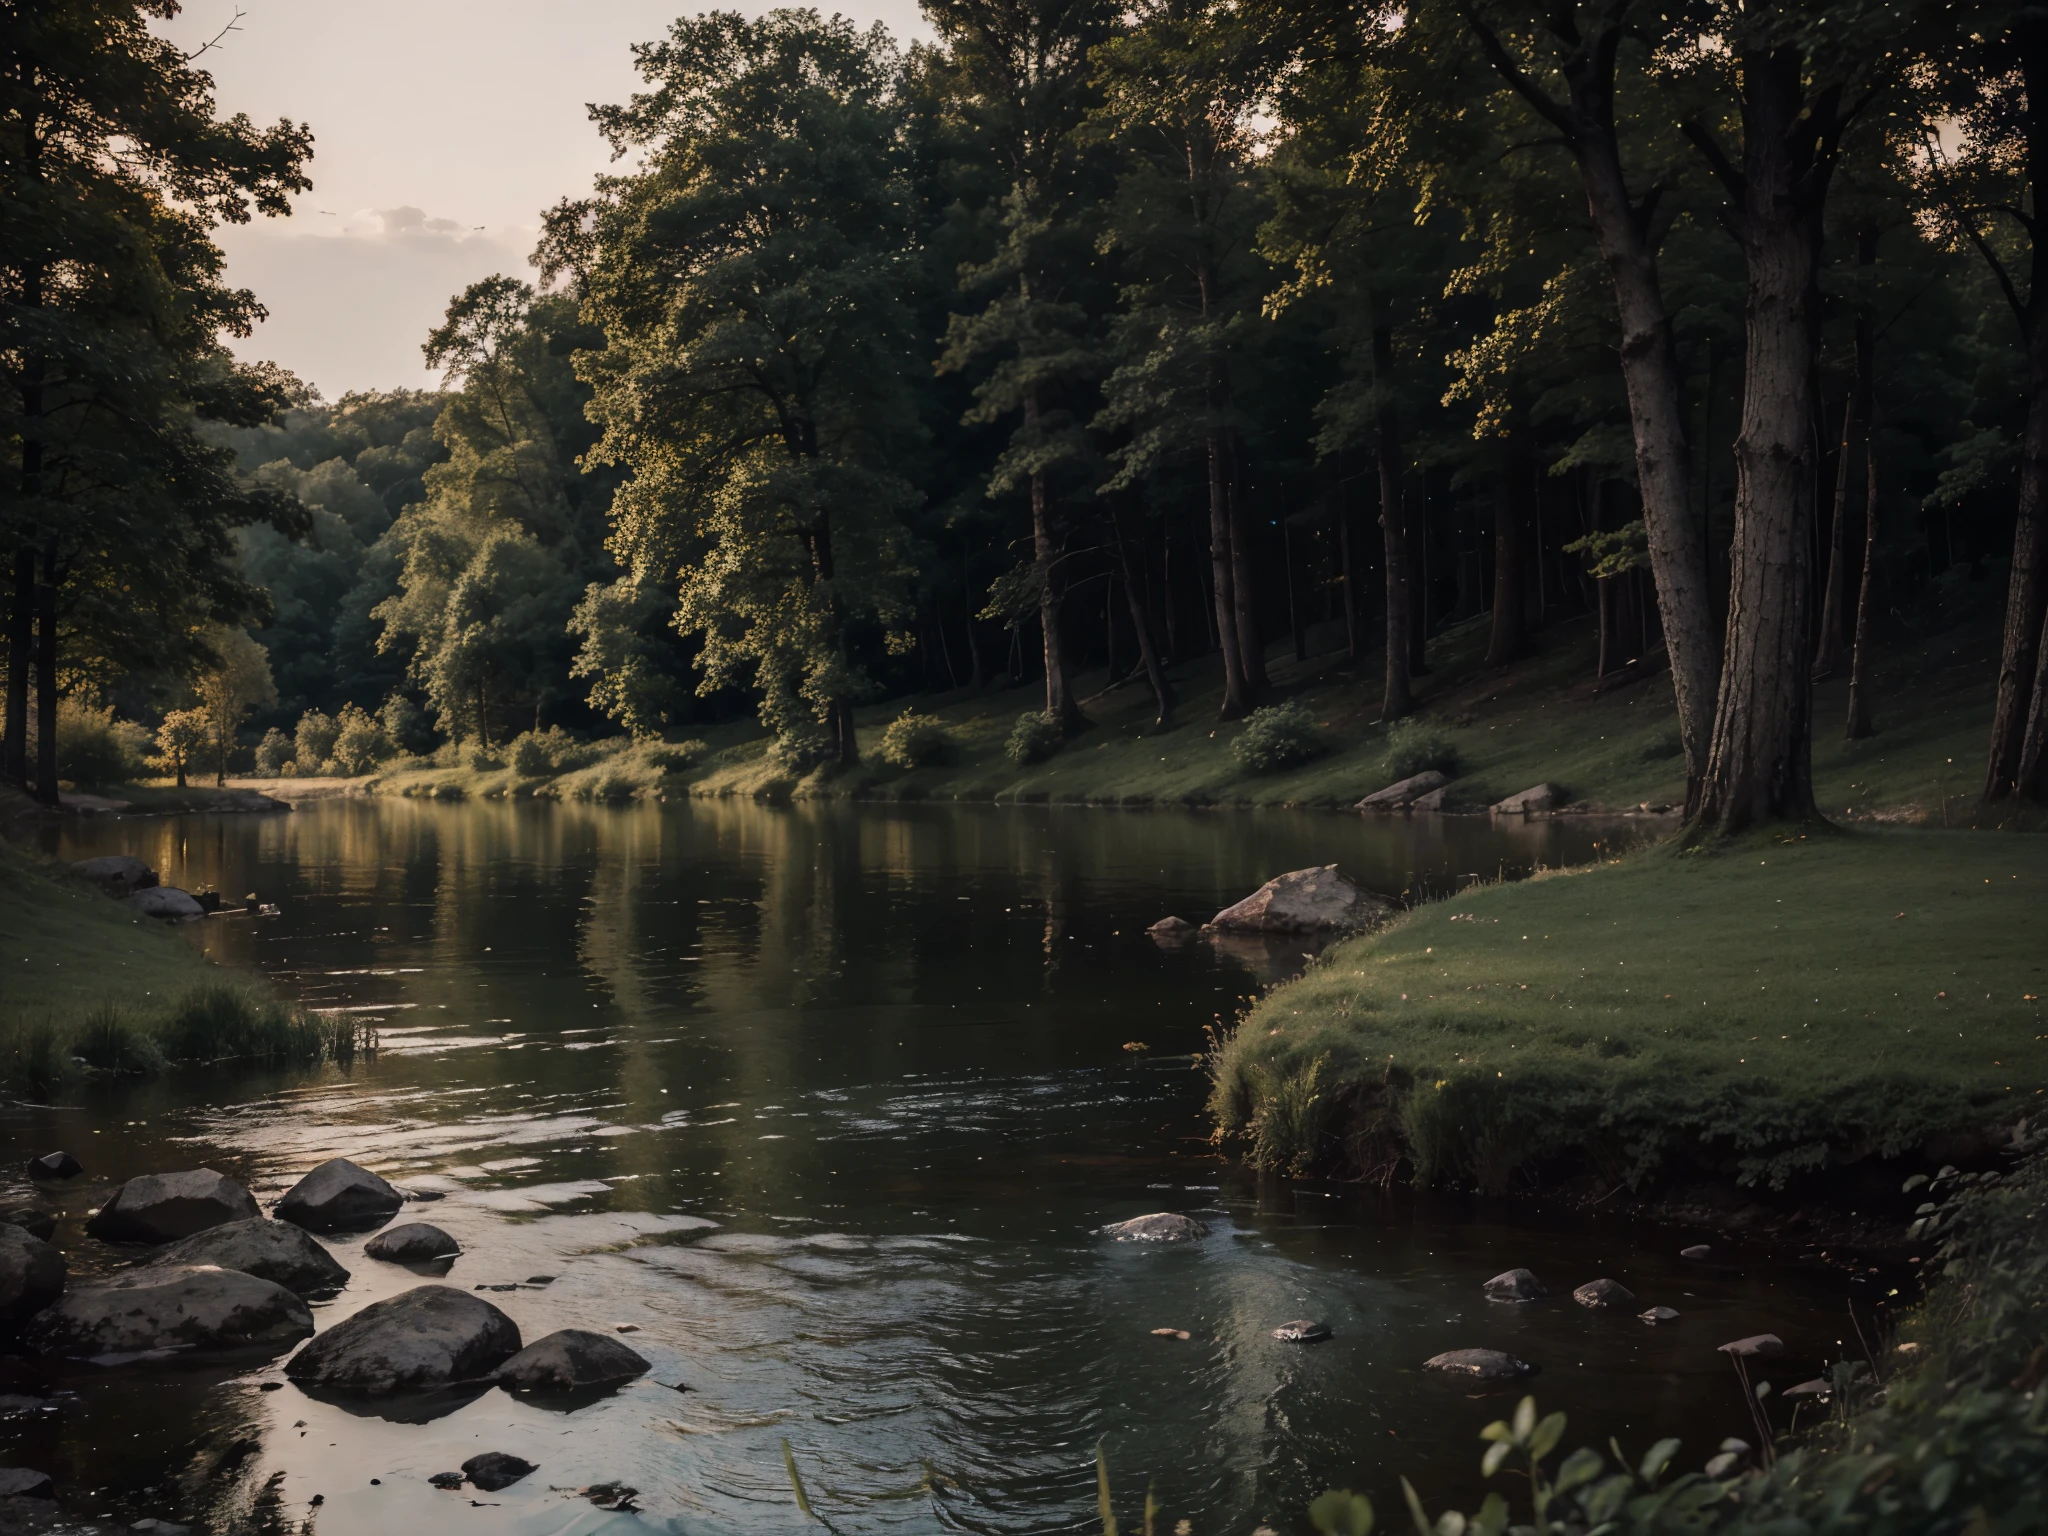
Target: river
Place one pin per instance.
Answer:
(827, 1102)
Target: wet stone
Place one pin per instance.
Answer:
(1159, 1227)
(1755, 1344)
(571, 1360)
(26, 1483)
(339, 1196)
(171, 1306)
(446, 1479)
(495, 1469)
(275, 1251)
(54, 1165)
(427, 1337)
(1515, 1285)
(1696, 1251)
(1604, 1295)
(413, 1242)
(1659, 1315)
(34, 1222)
(1479, 1365)
(163, 1207)
(1302, 1331)
(31, 1275)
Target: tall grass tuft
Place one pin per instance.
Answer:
(1289, 1111)
(217, 1022)
(31, 1056)
(108, 1041)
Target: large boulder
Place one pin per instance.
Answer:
(430, 1336)
(1305, 901)
(1542, 797)
(26, 1483)
(1407, 791)
(275, 1251)
(32, 1221)
(1159, 1227)
(1604, 1295)
(571, 1360)
(166, 902)
(163, 1207)
(31, 1275)
(170, 1306)
(118, 874)
(339, 1196)
(412, 1242)
(1479, 1365)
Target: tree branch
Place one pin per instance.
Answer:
(1520, 80)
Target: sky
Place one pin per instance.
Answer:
(441, 129)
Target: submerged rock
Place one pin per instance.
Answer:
(413, 1242)
(571, 1360)
(1160, 1227)
(31, 1275)
(275, 1251)
(1305, 901)
(1302, 1331)
(1658, 1315)
(427, 1337)
(26, 1483)
(163, 1207)
(1480, 1365)
(166, 902)
(339, 1196)
(171, 1306)
(1395, 796)
(495, 1469)
(1604, 1295)
(1515, 1285)
(1540, 797)
(54, 1165)
(117, 874)
(1755, 1344)
(1173, 930)
(448, 1480)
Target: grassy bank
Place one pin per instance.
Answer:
(1776, 1008)
(90, 988)
(1540, 719)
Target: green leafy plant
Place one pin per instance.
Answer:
(1278, 736)
(1033, 739)
(1414, 746)
(359, 741)
(272, 753)
(95, 748)
(913, 740)
(108, 1041)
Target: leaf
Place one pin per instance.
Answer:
(1415, 1513)
(1656, 1459)
(1498, 1430)
(1938, 1484)
(1525, 1420)
(1450, 1523)
(1492, 1518)
(1495, 1455)
(1582, 1466)
(1340, 1512)
(1546, 1435)
(1102, 1504)
(1913, 1183)
(1603, 1501)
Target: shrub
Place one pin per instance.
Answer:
(1416, 745)
(107, 1042)
(31, 1057)
(913, 740)
(802, 745)
(1033, 738)
(1278, 736)
(314, 743)
(273, 753)
(180, 741)
(539, 753)
(212, 1022)
(406, 725)
(673, 756)
(95, 748)
(359, 742)
(480, 755)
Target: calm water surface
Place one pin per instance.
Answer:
(829, 1102)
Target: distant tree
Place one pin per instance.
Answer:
(180, 741)
(237, 682)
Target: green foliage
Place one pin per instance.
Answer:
(31, 1055)
(1340, 1512)
(180, 742)
(220, 1021)
(1613, 553)
(359, 741)
(313, 745)
(629, 654)
(272, 753)
(109, 1041)
(1278, 736)
(94, 748)
(1034, 738)
(552, 751)
(406, 726)
(913, 740)
(1414, 746)
(673, 756)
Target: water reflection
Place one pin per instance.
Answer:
(827, 1103)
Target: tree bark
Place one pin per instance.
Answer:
(1398, 697)
(1060, 707)
(46, 682)
(1760, 765)
(1354, 640)
(2029, 782)
(1416, 509)
(1223, 584)
(1141, 623)
(1855, 433)
(1510, 638)
(21, 644)
(1251, 650)
(1858, 724)
(1293, 599)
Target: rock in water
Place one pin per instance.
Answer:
(413, 1242)
(163, 1207)
(1541, 797)
(1172, 930)
(1301, 1331)
(1515, 1285)
(1394, 796)
(338, 1196)
(427, 1337)
(571, 1360)
(1755, 1344)
(1658, 1315)
(1305, 901)
(1160, 1227)
(54, 1165)
(1479, 1364)
(166, 902)
(163, 1306)
(446, 1480)
(26, 1483)
(275, 1251)
(1696, 1251)
(118, 874)
(31, 1275)
(1604, 1295)
(494, 1470)
(32, 1221)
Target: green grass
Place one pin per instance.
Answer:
(1774, 1006)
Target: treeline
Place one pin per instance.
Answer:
(1087, 337)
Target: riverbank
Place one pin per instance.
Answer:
(1726, 1034)
(1613, 748)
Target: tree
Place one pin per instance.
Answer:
(236, 683)
(113, 168)
(753, 286)
(180, 740)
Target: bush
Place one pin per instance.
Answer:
(406, 725)
(537, 754)
(107, 1042)
(273, 753)
(31, 1057)
(673, 756)
(802, 745)
(912, 740)
(314, 743)
(1416, 745)
(95, 748)
(213, 1022)
(359, 742)
(1033, 738)
(478, 754)
(1278, 736)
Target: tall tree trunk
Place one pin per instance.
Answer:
(1060, 707)
(1223, 584)
(1141, 624)
(2020, 667)
(1417, 509)
(2030, 782)
(1354, 639)
(1760, 768)
(21, 644)
(1398, 698)
(1858, 724)
(46, 682)
(976, 679)
(1650, 371)
(1251, 650)
(1834, 603)
(1511, 489)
